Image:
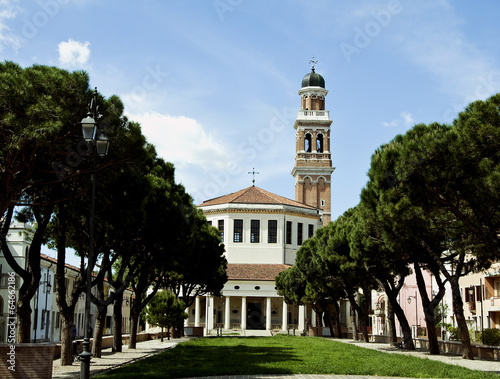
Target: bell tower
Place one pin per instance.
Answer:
(313, 162)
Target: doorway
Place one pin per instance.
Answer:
(254, 316)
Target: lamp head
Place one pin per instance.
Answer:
(89, 127)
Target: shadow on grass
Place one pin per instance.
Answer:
(190, 360)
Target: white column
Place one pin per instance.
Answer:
(197, 311)
(186, 321)
(268, 313)
(210, 314)
(302, 324)
(313, 318)
(285, 316)
(227, 313)
(243, 312)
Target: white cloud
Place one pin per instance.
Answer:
(440, 46)
(390, 124)
(7, 38)
(408, 118)
(73, 53)
(182, 140)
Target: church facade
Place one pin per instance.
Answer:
(262, 231)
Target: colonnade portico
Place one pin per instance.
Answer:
(245, 313)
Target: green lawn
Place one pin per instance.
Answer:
(284, 355)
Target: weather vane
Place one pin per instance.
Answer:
(253, 175)
(313, 63)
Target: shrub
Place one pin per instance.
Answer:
(491, 337)
(454, 333)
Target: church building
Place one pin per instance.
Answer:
(262, 231)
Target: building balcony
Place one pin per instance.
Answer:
(313, 115)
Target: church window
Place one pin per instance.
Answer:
(311, 231)
(272, 231)
(307, 143)
(319, 143)
(238, 231)
(255, 231)
(322, 203)
(299, 233)
(221, 230)
(289, 232)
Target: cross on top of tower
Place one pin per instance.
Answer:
(253, 175)
(313, 63)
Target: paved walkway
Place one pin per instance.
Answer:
(112, 360)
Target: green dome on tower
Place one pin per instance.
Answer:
(313, 80)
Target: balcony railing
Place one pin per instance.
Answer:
(313, 115)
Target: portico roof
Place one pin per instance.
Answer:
(237, 271)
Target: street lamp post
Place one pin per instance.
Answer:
(98, 144)
(416, 312)
(48, 287)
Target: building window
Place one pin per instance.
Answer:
(289, 232)
(299, 233)
(311, 231)
(322, 203)
(272, 231)
(255, 231)
(221, 230)
(209, 222)
(238, 230)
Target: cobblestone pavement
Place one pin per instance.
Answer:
(111, 360)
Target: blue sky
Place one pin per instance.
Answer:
(214, 83)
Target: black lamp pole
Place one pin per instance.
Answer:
(100, 144)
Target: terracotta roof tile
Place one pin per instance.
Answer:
(254, 195)
(254, 271)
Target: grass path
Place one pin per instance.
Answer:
(284, 355)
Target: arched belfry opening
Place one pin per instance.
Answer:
(307, 143)
(319, 143)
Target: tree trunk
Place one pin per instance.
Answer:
(458, 309)
(338, 327)
(24, 319)
(134, 320)
(326, 317)
(67, 321)
(117, 324)
(100, 320)
(403, 322)
(428, 307)
(392, 325)
(363, 314)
